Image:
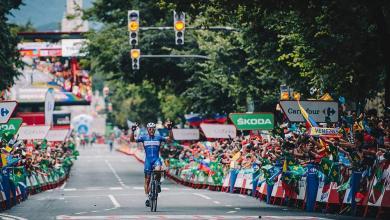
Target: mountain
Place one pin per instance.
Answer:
(45, 15)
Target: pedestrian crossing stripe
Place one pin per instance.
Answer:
(212, 217)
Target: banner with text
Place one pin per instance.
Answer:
(33, 132)
(253, 121)
(11, 127)
(218, 130)
(185, 134)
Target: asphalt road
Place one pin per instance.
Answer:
(109, 185)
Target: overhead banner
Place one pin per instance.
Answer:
(49, 106)
(185, 134)
(72, 47)
(318, 110)
(7, 108)
(33, 132)
(11, 127)
(253, 121)
(317, 131)
(218, 131)
(57, 134)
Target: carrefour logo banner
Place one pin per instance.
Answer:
(253, 121)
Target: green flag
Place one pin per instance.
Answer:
(334, 173)
(18, 175)
(325, 165)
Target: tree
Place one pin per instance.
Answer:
(9, 55)
(335, 46)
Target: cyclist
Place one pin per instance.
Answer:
(151, 144)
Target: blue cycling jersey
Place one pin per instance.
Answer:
(151, 145)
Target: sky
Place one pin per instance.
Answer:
(44, 14)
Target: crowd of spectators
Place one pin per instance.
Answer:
(362, 143)
(32, 157)
(71, 79)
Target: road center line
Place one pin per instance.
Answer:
(201, 195)
(113, 200)
(115, 174)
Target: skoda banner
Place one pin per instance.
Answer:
(11, 127)
(253, 121)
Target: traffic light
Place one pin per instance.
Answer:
(133, 26)
(135, 56)
(179, 25)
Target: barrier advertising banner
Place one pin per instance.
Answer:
(253, 121)
(185, 134)
(33, 132)
(57, 134)
(218, 130)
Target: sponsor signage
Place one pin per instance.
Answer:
(317, 131)
(72, 47)
(318, 110)
(49, 106)
(61, 119)
(185, 134)
(253, 121)
(218, 130)
(11, 127)
(57, 134)
(33, 132)
(7, 108)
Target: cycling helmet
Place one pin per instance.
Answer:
(151, 125)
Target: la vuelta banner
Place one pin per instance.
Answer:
(317, 131)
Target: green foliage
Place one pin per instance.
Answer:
(135, 102)
(172, 106)
(9, 55)
(338, 47)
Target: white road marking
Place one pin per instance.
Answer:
(12, 217)
(216, 202)
(94, 188)
(70, 189)
(242, 196)
(65, 217)
(115, 174)
(138, 188)
(113, 200)
(237, 208)
(230, 212)
(115, 188)
(63, 185)
(201, 195)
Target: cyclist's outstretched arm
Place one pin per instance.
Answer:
(133, 128)
(170, 137)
